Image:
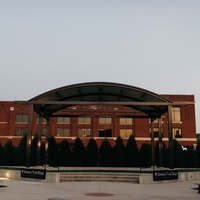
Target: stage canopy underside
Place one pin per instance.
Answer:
(136, 98)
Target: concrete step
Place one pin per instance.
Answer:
(109, 177)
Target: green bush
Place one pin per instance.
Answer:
(78, 153)
(119, 153)
(178, 154)
(65, 154)
(92, 153)
(197, 151)
(106, 154)
(145, 155)
(8, 154)
(52, 152)
(165, 155)
(1, 154)
(132, 153)
(191, 160)
(34, 150)
(20, 152)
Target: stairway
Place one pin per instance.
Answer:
(99, 176)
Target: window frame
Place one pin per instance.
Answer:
(64, 132)
(176, 114)
(63, 120)
(174, 133)
(127, 135)
(86, 132)
(84, 120)
(23, 118)
(125, 121)
(105, 120)
(23, 131)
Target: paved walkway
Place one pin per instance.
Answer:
(31, 190)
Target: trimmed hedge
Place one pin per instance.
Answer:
(119, 155)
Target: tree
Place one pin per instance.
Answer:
(33, 155)
(65, 154)
(145, 155)
(42, 155)
(165, 155)
(178, 154)
(1, 154)
(198, 154)
(92, 153)
(53, 152)
(190, 158)
(105, 154)
(132, 153)
(20, 155)
(78, 153)
(34, 150)
(119, 153)
(8, 154)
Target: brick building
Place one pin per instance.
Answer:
(100, 121)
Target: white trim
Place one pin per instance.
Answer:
(186, 139)
(114, 138)
(21, 122)
(166, 139)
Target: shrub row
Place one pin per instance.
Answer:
(119, 155)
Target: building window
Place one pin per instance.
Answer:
(22, 118)
(63, 132)
(176, 114)
(127, 121)
(126, 133)
(43, 119)
(21, 131)
(84, 120)
(105, 120)
(105, 132)
(84, 132)
(63, 120)
(156, 132)
(177, 133)
(43, 131)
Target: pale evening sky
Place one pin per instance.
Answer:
(152, 44)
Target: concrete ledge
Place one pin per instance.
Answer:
(9, 173)
(52, 177)
(187, 176)
(147, 178)
(15, 173)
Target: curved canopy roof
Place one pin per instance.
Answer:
(140, 99)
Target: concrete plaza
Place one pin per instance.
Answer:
(32, 190)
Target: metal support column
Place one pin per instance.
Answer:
(38, 156)
(152, 144)
(171, 148)
(160, 142)
(47, 142)
(29, 134)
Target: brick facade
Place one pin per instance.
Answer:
(140, 126)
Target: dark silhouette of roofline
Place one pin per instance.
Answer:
(148, 102)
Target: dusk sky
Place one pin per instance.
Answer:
(151, 44)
